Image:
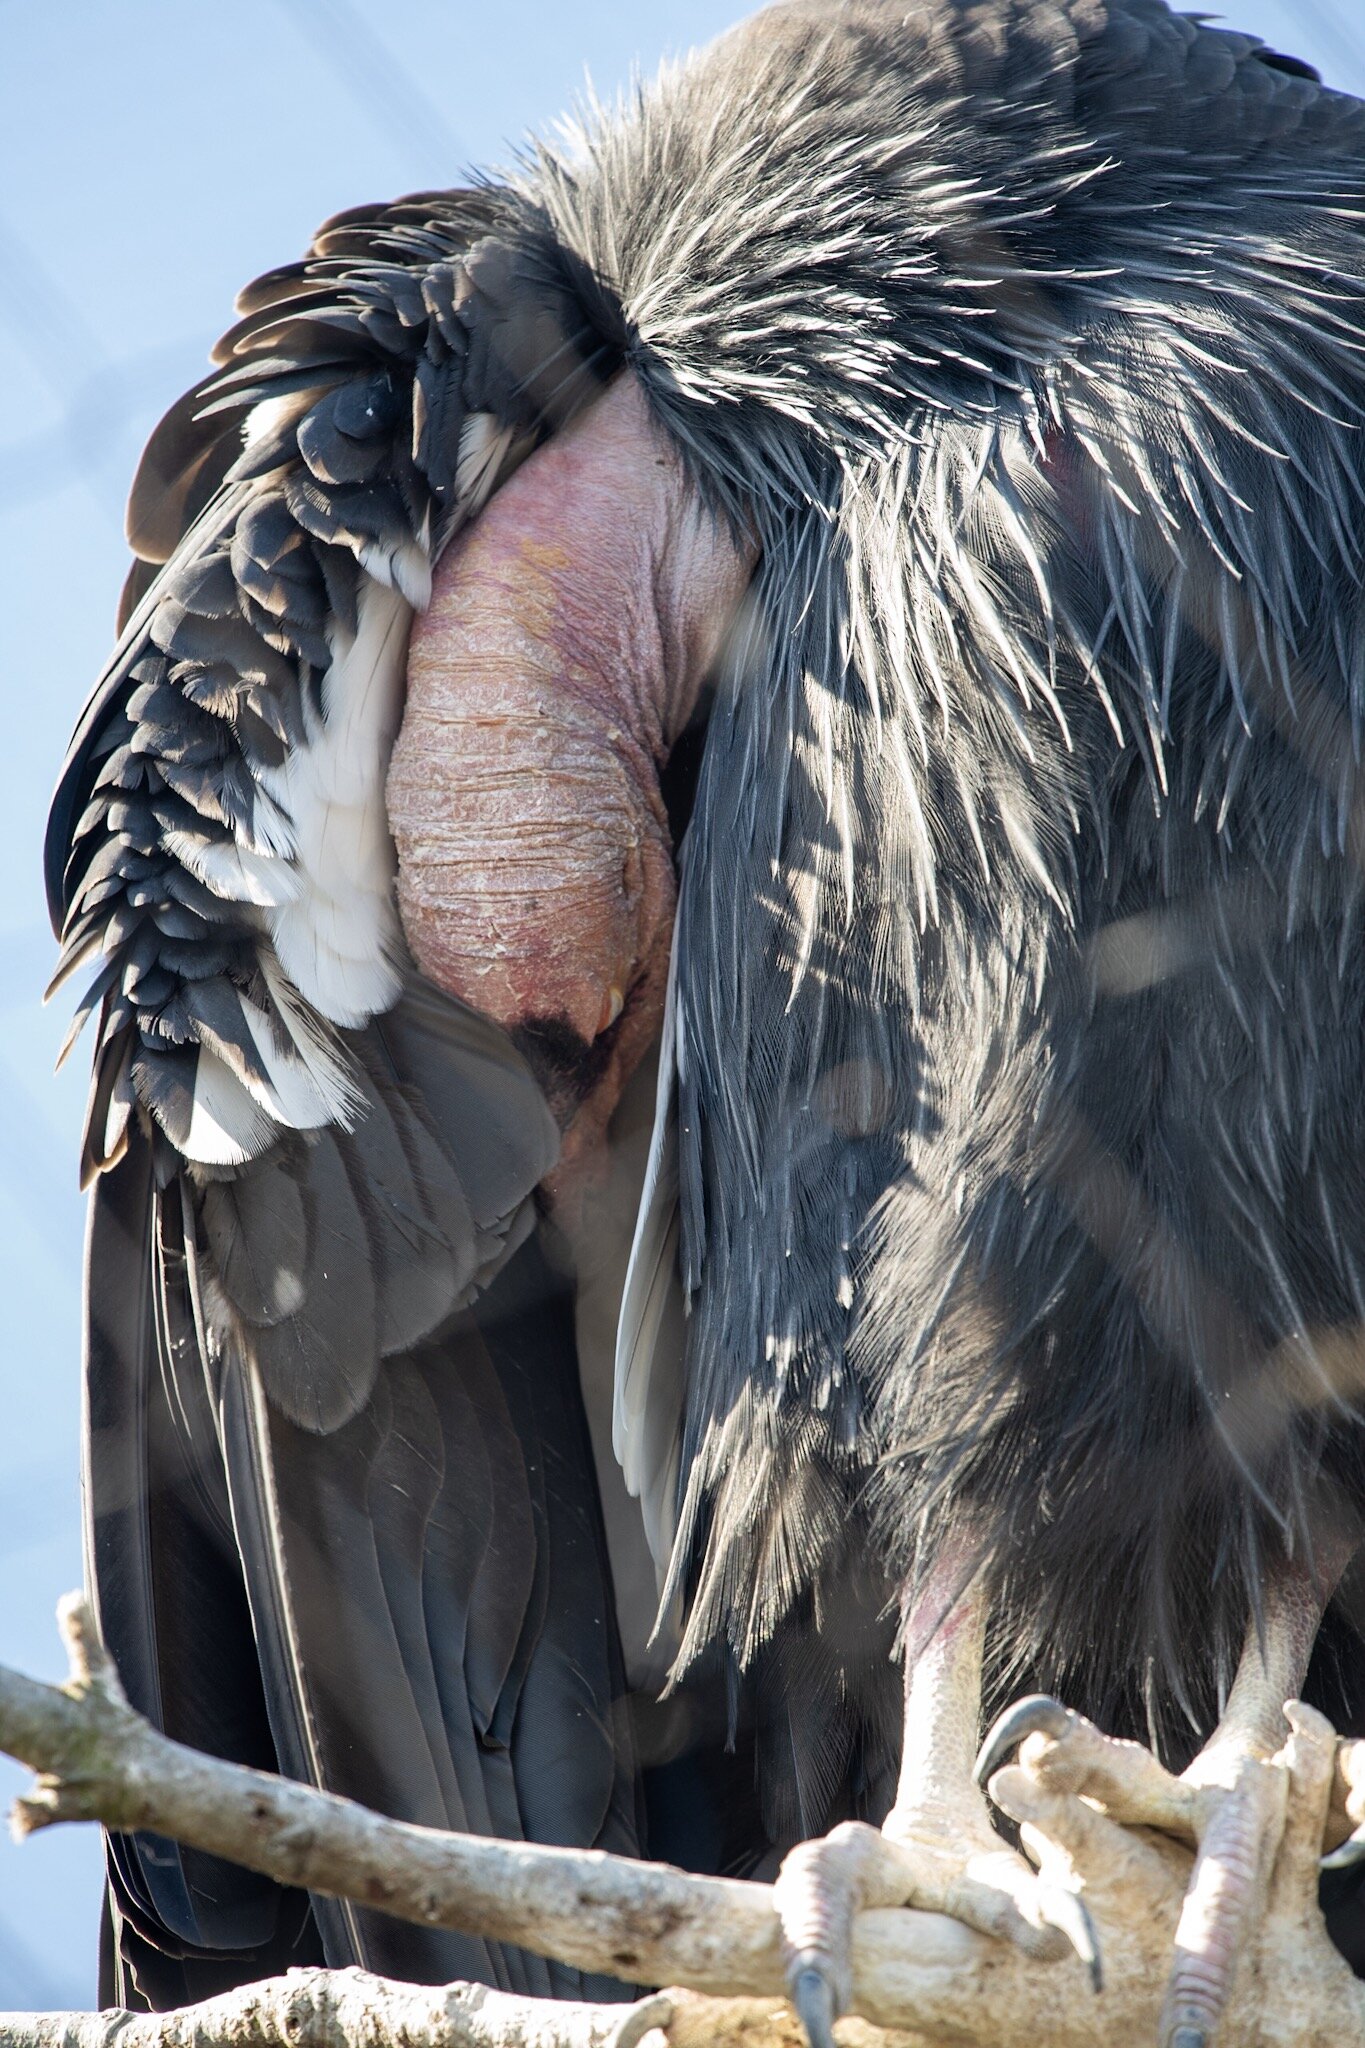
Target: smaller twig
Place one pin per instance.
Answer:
(348, 2009)
(77, 1724)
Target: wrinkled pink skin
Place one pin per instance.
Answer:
(570, 629)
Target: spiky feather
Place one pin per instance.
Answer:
(1018, 948)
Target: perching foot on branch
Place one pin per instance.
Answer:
(928, 1980)
(1230, 1805)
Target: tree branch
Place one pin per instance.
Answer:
(939, 1983)
(645, 1922)
(350, 2009)
(347, 2009)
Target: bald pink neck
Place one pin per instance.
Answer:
(570, 629)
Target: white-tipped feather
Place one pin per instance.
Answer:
(290, 1093)
(488, 452)
(226, 1126)
(313, 1044)
(233, 872)
(405, 569)
(338, 937)
(272, 413)
(270, 832)
(122, 1102)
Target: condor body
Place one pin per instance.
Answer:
(994, 373)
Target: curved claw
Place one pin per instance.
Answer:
(1350, 1852)
(640, 2019)
(1038, 1714)
(1067, 1911)
(816, 2002)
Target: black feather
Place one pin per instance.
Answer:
(256, 1234)
(318, 1366)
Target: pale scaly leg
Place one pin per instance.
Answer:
(937, 1849)
(1228, 1802)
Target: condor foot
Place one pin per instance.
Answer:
(940, 1861)
(1230, 1804)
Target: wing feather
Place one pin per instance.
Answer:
(347, 1156)
(647, 1413)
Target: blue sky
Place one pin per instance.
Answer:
(154, 157)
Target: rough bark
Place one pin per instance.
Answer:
(346, 2009)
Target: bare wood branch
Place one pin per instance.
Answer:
(644, 1922)
(935, 1982)
(350, 2009)
(346, 2009)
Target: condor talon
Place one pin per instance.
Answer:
(1036, 1714)
(1347, 1854)
(1067, 1911)
(816, 2003)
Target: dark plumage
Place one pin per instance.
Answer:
(1008, 1164)
(1009, 1158)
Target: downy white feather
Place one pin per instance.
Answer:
(227, 1127)
(232, 871)
(333, 790)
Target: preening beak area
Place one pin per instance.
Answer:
(569, 632)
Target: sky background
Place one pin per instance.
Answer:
(155, 156)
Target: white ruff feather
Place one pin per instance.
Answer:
(226, 1126)
(337, 939)
(271, 413)
(232, 871)
(488, 453)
